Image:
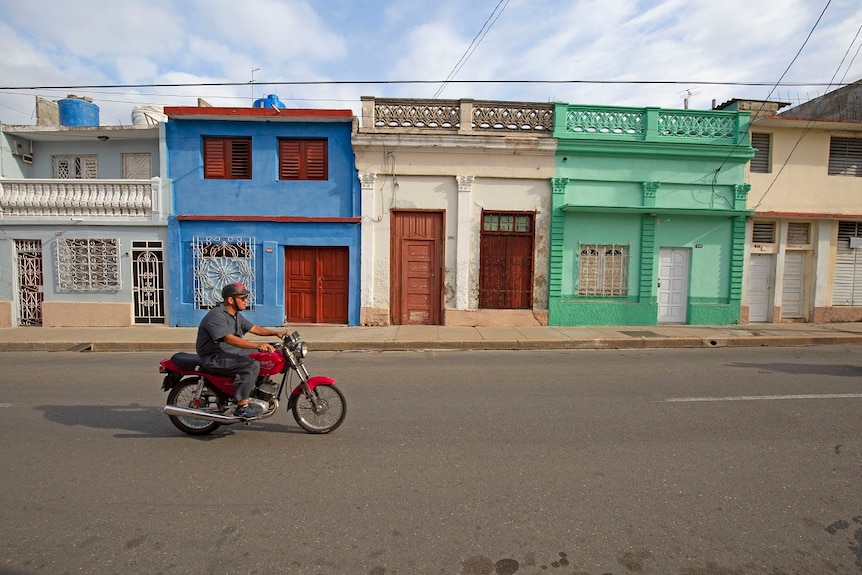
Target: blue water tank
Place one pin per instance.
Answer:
(78, 112)
(271, 101)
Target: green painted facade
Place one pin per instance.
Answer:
(635, 181)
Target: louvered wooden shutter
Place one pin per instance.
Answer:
(214, 158)
(240, 156)
(847, 282)
(845, 157)
(303, 160)
(288, 160)
(316, 168)
(227, 158)
(760, 161)
(763, 233)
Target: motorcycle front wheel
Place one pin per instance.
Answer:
(326, 416)
(183, 395)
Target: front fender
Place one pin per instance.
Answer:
(313, 382)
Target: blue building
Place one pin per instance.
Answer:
(268, 197)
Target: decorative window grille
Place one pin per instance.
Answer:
(148, 279)
(76, 167)
(30, 280)
(85, 265)
(219, 261)
(302, 160)
(603, 270)
(760, 162)
(137, 166)
(227, 158)
(799, 233)
(845, 157)
(763, 232)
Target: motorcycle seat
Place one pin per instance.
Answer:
(186, 361)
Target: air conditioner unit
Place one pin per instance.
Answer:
(855, 242)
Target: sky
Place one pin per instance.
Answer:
(329, 53)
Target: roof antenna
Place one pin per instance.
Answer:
(253, 70)
(686, 94)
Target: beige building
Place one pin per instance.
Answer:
(804, 242)
(455, 211)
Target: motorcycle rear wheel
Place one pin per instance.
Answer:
(330, 414)
(183, 395)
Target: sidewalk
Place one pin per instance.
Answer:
(400, 338)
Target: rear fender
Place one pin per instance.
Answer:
(171, 379)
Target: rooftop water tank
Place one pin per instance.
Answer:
(78, 112)
(271, 101)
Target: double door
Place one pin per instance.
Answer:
(316, 284)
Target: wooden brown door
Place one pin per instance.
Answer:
(417, 256)
(316, 284)
(506, 261)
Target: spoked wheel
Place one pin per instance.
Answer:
(183, 395)
(322, 414)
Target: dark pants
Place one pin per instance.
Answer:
(244, 368)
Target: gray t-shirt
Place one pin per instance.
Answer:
(215, 325)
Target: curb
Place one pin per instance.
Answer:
(490, 345)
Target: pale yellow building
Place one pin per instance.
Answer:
(804, 254)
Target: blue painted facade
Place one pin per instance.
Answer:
(275, 213)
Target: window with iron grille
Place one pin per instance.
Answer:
(227, 158)
(845, 157)
(85, 265)
(303, 159)
(763, 232)
(603, 270)
(76, 167)
(760, 163)
(219, 261)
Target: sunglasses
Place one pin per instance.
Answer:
(242, 297)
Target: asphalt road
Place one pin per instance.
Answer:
(589, 462)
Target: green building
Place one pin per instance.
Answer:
(648, 216)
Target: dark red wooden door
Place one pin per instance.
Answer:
(418, 267)
(316, 284)
(506, 261)
(417, 256)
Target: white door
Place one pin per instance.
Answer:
(759, 287)
(793, 286)
(673, 284)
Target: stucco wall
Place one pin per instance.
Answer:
(461, 176)
(799, 181)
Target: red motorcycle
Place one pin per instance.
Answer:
(199, 402)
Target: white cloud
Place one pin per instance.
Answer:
(47, 42)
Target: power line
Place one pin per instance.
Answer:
(391, 82)
(477, 39)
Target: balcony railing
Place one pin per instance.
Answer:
(78, 198)
(650, 124)
(462, 117)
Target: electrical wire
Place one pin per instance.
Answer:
(477, 39)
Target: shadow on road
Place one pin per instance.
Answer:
(842, 370)
(137, 421)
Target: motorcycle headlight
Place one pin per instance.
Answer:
(302, 349)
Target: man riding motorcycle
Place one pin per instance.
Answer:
(223, 349)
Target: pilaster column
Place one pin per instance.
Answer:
(465, 228)
(366, 182)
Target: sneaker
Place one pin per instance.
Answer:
(246, 412)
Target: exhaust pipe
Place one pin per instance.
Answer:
(188, 412)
